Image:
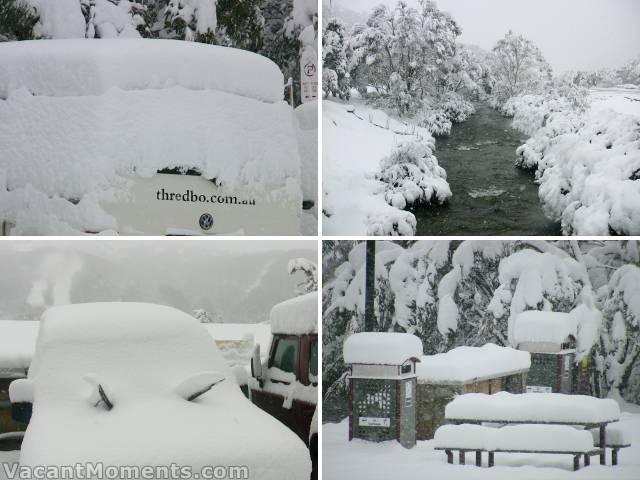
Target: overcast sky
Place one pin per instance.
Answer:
(572, 34)
(238, 280)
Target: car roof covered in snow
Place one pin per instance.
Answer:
(533, 326)
(467, 364)
(381, 348)
(297, 316)
(78, 67)
(17, 341)
(147, 358)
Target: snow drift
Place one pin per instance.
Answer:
(91, 67)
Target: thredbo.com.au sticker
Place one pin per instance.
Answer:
(170, 204)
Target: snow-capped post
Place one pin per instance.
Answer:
(370, 286)
(382, 386)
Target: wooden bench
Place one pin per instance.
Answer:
(546, 439)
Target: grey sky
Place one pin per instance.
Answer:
(572, 34)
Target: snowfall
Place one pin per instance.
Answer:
(82, 119)
(344, 460)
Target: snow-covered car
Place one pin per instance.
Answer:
(153, 137)
(286, 385)
(131, 384)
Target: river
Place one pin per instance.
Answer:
(490, 195)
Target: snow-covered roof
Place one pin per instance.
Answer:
(147, 358)
(538, 407)
(381, 348)
(76, 67)
(534, 326)
(261, 332)
(297, 316)
(467, 364)
(17, 342)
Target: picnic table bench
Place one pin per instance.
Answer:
(550, 439)
(547, 410)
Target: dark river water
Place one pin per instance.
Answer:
(490, 195)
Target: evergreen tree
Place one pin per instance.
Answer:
(17, 20)
(335, 75)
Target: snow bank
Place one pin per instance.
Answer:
(532, 407)
(64, 157)
(355, 140)
(515, 437)
(91, 67)
(551, 327)
(587, 163)
(142, 352)
(17, 343)
(236, 332)
(297, 316)
(466, 364)
(59, 19)
(381, 348)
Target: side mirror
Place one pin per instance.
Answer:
(21, 396)
(256, 363)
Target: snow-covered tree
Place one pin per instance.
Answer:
(335, 74)
(202, 316)
(402, 53)
(309, 270)
(17, 19)
(517, 67)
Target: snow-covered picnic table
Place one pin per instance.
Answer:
(536, 408)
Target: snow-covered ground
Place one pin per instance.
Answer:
(389, 460)
(355, 140)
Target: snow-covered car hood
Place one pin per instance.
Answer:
(140, 354)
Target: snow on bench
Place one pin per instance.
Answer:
(555, 408)
(552, 439)
(78, 67)
(616, 437)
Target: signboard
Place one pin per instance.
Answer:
(374, 422)
(538, 389)
(408, 394)
(172, 204)
(309, 74)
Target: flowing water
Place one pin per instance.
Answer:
(490, 195)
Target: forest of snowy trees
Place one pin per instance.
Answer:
(454, 293)
(268, 27)
(410, 61)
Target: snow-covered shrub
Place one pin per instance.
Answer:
(436, 121)
(456, 107)
(590, 178)
(412, 176)
(17, 20)
(391, 222)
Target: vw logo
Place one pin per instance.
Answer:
(206, 221)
